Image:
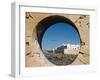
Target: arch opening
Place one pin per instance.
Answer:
(58, 55)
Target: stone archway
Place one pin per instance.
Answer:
(38, 23)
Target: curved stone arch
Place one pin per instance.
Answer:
(45, 23)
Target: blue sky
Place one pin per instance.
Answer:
(59, 33)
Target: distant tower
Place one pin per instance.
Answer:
(53, 50)
(69, 45)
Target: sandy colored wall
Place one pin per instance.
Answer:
(34, 55)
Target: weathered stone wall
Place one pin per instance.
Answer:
(35, 56)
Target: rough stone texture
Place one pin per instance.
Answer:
(34, 55)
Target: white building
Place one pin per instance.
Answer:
(72, 49)
(73, 46)
(68, 48)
